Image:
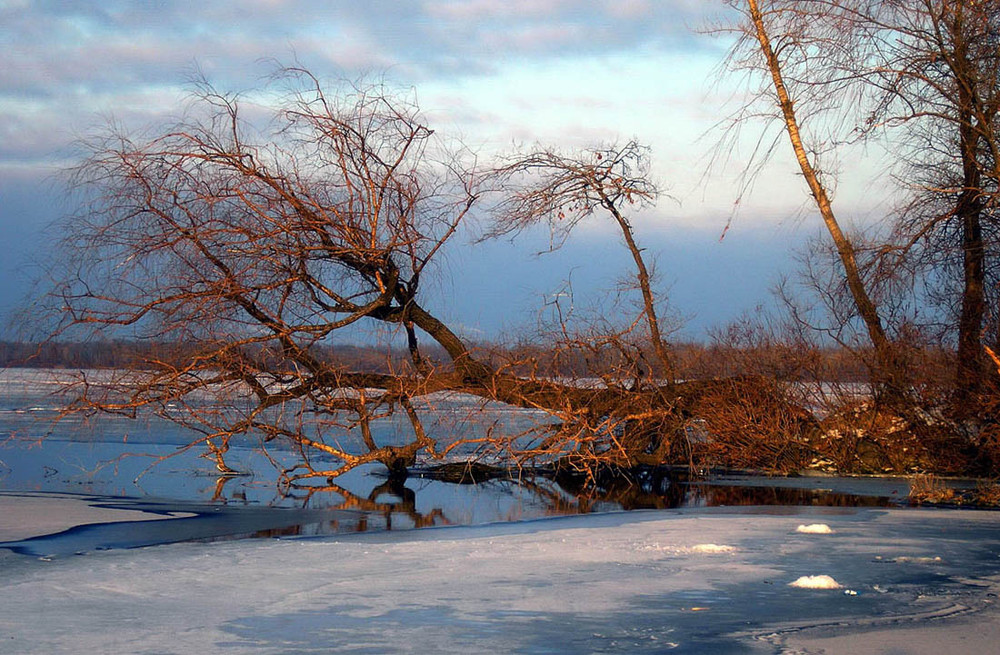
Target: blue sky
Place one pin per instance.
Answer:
(491, 72)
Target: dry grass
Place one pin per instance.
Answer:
(925, 488)
(988, 493)
(751, 423)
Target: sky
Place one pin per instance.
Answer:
(492, 73)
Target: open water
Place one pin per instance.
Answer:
(143, 464)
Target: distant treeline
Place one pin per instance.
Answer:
(694, 360)
(128, 354)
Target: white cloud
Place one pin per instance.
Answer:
(476, 10)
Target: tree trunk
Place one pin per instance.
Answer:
(887, 369)
(968, 209)
(970, 369)
(642, 274)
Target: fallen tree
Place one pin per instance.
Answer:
(254, 248)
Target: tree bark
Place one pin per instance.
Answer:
(642, 273)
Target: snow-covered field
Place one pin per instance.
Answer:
(695, 581)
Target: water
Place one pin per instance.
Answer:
(902, 567)
(135, 462)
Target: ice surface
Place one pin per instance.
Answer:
(640, 582)
(711, 548)
(25, 515)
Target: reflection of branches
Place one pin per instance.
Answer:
(371, 504)
(644, 488)
(218, 493)
(553, 499)
(537, 494)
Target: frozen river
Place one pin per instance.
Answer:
(115, 460)
(704, 580)
(178, 562)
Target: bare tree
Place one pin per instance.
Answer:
(922, 78)
(248, 244)
(250, 249)
(782, 41)
(934, 72)
(546, 186)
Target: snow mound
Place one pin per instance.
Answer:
(815, 582)
(814, 528)
(711, 548)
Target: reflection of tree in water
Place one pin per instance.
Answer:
(392, 505)
(404, 502)
(642, 488)
(659, 488)
(219, 494)
(718, 495)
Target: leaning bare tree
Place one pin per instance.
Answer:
(247, 248)
(801, 68)
(921, 78)
(551, 187)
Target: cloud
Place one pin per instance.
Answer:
(71, 61)
(103, 43)
(478, 10)
(500, 29)
(534, 38)
(630, 8)
(566, 72)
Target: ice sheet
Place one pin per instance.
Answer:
(637, 582)
(26, 515)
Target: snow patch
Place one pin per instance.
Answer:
(814, 528)
(697, 549)
(909, 560)
(815, 582)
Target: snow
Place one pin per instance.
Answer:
(711, 548)
(916, 638)
(25, 515)
(814, 528)
(919, 560)
(815, 582)
(641, 582)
